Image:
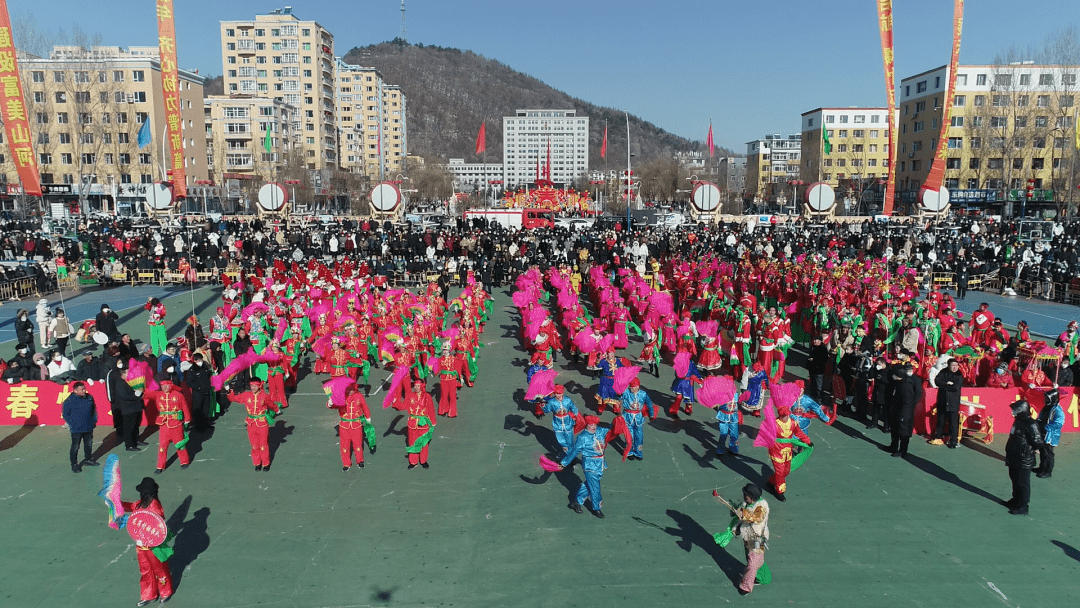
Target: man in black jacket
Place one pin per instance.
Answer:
(105, 322)
(89, 368)
(816, 362)
(127, 405)
(1024, 440)
(948, 382)
(202, 394)
(907, 393)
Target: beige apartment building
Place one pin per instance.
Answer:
(771, 162)
(86, 107)
(236, 129)
(280, 57)
(860, 145)
(371, 121)
(1011, 127)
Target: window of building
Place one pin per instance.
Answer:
(956, 143)
(919, 126)
(1020, 122)
(1066, 101)
(920, 106)
(138, 76)
(961, 79)
(998, 122)
(1017, 163)
(61, 118)
(1037, 163)
(1042, 101)
(920, 87)
(1068, 80)
(999, 101)
(980, 100)
(959, 100)
(1046, 80)
(952, 163)
(916, 165)
(1064, 122)
(973, 163)
(65, 158)
(1025, 80)
(957, 121)
(980, 80)
(1002, 80)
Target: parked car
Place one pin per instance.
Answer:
(574, 223)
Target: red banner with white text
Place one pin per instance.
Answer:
(13, 110)
(937, 167)
(170, 92)
(885, 25)
(41, 403)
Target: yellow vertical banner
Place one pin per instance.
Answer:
(885, 25)
(13, 110)
(170, 93)
(937, 168)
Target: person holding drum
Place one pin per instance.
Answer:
(150, 535)
(105, 322)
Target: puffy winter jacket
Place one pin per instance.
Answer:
(1024, 441)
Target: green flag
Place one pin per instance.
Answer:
(824, 138)
(266, 142)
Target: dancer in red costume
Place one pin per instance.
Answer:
(174, 414)
(421, 410)
(781, 453)
(155, 581)
(355, 417)
(260, 410)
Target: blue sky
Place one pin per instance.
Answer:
(752, 67)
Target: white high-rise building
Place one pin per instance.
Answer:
(526, 139)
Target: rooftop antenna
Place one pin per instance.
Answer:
(404, 38)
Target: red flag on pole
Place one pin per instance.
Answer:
(603, 147)
(547, 166)
(709, 141)
(481, 139)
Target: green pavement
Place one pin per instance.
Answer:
(485, 526)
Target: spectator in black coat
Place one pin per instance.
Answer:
(105, 322)
(89, 367)
(127, 405)
(907, 392)
(1024, 441)
(949, 381)
(197, 379)
(24, 329)
(816, 363)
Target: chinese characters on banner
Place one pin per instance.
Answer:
(170, 92)
(937, 168)
(13, 109)
(41, 403)
(884, 8)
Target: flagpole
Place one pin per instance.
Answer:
(629, 183)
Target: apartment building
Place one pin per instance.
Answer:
(771, 162)
(236, 128)
(371, 122)
(281, 57)
(530, 133)
(1011, 126)
(86, 108)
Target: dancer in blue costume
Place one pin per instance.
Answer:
(634, 402)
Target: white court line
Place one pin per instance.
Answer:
(186, 293)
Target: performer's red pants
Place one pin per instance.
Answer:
(448, 397)
(154, 578)
(411, 437)
(779, 477)
(167, 435)
(260, 451)
(276, 390)
(352, 441)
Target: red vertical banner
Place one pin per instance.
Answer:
(937, 167)
(13, 109)
(884, 8)
(170, 92)
(481, 138)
